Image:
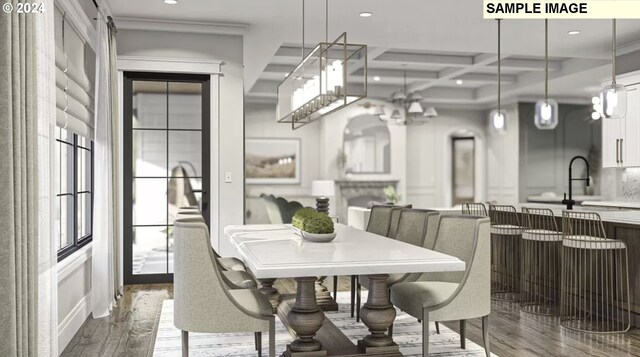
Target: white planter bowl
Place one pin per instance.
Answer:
(319, 238)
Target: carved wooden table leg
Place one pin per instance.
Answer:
(378, 314)
(323, 296)
(305, 318)
(267, 289)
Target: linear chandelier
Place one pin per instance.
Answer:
(332, 76)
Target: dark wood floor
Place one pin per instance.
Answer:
(131, 329)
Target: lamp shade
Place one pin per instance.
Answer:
(430, 112)
(322, 188)
(498, 121)
(415, 108)
(546, 117)
(613, 99)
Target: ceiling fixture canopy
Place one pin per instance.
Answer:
(332, 76)
(613, 97)
(546, 117)
(498, 117)
(414, 113)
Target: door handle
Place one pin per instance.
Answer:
(617, 151)
(621, 152)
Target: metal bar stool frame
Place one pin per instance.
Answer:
(595, 277)
(474, 209)
(506, 237)
(540, 268)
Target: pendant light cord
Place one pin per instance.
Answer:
(546, 60)
(302, 47)
(326, 21)
(613, 54)
(499, 65)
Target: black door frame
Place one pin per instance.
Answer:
(127, 199)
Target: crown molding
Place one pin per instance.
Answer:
(212, 28)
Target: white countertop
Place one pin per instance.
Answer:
(275, 251)
(559, 198)
(614, 204)
(607, 215)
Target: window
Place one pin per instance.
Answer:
(74, 192)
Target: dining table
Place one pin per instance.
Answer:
(277, 251)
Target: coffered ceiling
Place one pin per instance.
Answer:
(438, 42)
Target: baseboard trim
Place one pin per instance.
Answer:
(72, 322)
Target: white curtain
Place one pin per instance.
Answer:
(47, 254)
(105, 231)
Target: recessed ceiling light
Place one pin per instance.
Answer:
(170, 2)
(376, 78)
(366, 14)
(459, 82)
(574, 32)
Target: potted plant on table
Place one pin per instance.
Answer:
(313, 226)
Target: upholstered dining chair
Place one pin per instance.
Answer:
(233, 270)
(415, 226)
(202, 302)
(454, 295)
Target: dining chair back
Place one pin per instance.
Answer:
(202, 302)
(379, 220)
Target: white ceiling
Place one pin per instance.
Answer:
(439, 41)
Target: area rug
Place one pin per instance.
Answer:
(407, 333)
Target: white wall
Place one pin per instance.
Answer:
(260, 122)
(74, 294)
(229, 142)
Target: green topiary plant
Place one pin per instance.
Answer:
(300, 216)
(319, 223)
(312, 221)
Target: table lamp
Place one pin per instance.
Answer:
(322, 190)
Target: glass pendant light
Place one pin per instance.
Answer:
(546, 117)
(498, 117)
(613, 97)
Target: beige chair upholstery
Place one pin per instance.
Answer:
(453, 295)
(234, 272)
(395, 221)
(415, 226)
(379, 220)
(203, 303)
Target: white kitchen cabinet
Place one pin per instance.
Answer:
(621, 137)
(630, 145)
(611, 133)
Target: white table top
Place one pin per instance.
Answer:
(275, 251)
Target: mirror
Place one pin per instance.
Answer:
(367, 146)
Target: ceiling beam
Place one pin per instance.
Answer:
(425, 58)
(526, 64)
(448, 74)
(527, 80)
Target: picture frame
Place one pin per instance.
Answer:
(272, 161)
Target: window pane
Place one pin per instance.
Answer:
(185, 105)
(65, 165)
(84, 215)
(84, 170)
(149, 104)
(181, 195)
(150, 201)
(149, 153)
(64, 222)
(149, 250)
(185, 153)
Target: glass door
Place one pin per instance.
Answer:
(166, 166)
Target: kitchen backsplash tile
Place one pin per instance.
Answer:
(631, 184)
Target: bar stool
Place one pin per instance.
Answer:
(474, 209)
(506, 235)
(595, 277)
(540, 268)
